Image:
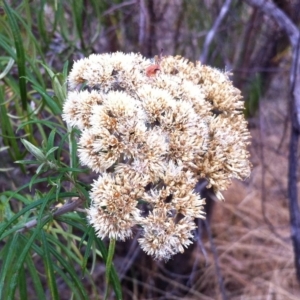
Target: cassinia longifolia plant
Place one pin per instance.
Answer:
(151, 131)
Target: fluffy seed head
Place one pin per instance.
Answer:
(152, 131)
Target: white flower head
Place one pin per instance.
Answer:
(152, 131)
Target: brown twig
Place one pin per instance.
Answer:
(151, 34)
(216, 259)
(70, 206)
(263, 184)
(270, 9)
(293, 158)
(118, 6)
(143, 16)
(213, 30)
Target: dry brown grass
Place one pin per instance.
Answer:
(254, 261)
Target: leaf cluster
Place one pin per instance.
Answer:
(44, 235)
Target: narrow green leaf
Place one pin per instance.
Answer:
(65, 249)
(73, 145)
(63, 23)
(77, 9)
(40, 294)
(65, 70)
(33, 180)
(20, 53)
(7, 68)
(58, 185)
(8, 134)
(9, 252)
(73, 170)
(47, 200)
(88, 248)
(5, 209)
(60, 90)
(49, 124)
(49, 268)
(68, 281)
(111, 252)
(73, 220)
(35, 151)
(87, 233)
(83, 191)
(32, 78)
(41, 24)
(64, 139)
(34, 73)
(39, 169)
(48, 100)
(22, 283)
(58, 271)
(50, 140)
(34, 43)
(51, 151)
(114, 279)
(69, 268)
(5, 43)
(22, 256)
(17, 196)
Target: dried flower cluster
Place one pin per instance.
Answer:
(151, 138)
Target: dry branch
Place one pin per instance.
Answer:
(68, 207)
(271, 10)
(213, 30)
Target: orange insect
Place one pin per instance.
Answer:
(153, 69)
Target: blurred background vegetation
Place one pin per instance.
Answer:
(244, 252)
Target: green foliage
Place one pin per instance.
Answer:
(34, 231)
(44, 234)
(19, 51)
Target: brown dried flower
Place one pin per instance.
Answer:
(151, 137)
